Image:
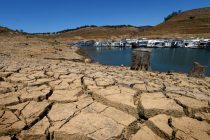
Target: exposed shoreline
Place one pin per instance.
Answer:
(83, 54)
(63, 97)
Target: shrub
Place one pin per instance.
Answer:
(172, 15)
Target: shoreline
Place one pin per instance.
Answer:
(81, 52)
(51, 97)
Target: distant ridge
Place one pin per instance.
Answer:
(88, 26)
(192, 23)
(97, 32)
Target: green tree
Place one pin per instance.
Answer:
(172, 15)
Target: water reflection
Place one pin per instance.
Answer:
(179, 59)
(163, 59)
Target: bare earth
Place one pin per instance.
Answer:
(47, 92)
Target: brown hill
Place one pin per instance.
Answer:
(101, 32)
(191, 23)
(105, 32)
(8, 32)
(195, 22)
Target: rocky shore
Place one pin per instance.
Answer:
(48, 92)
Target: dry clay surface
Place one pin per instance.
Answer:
(67, 99)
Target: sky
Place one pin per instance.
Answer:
(55, 15)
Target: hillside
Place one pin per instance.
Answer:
(192, 23)
(7, 32)
(103, 32)
(195, 22)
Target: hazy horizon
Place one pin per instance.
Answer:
(52, 15)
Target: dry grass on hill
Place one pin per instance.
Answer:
(193, 23)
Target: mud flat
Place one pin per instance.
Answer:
(47, 92)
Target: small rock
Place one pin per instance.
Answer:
(87, 60)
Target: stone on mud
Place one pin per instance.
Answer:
(192, 105)
(6, 87)
(181, 128)
(10, 124)
(152, 104)
(33, 110)
(36, 93)
(119, 116)
(38, 132)
(104, 82)
(159, 125)
(203, 116)
(89, 126)
(5, 138)
(119, 97)
(61, 112)
(145, 134)
(9, 99)
(65, 95)
(191, 128)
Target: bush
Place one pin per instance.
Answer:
(192, 17)
(172, 15)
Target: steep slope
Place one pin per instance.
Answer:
(195, 22)
(7, 32)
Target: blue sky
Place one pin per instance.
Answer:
(55, 15)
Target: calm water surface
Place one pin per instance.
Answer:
(163, 59)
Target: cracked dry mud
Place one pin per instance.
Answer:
(63, 99)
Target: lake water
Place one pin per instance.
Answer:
(162, 59)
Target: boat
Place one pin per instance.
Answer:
(155, 44)
(118, 44)
(142, 43)
(159, 44)
(168, 44)
(191, 44)
(177, 43)
(208, 45)
(151, 43)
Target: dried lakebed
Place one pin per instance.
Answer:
(62, 99)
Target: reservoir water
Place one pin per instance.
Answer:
(162, 59)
